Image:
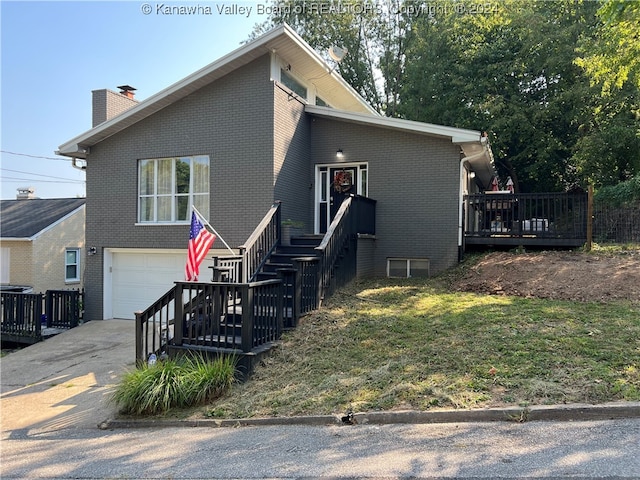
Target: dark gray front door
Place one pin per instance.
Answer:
(343, 183)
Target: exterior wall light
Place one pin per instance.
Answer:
(339, 153)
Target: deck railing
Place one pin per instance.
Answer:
(549, 218)
(228, 317)
(24, 315)
(261, 243)
(21, 316)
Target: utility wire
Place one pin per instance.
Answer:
(40, 175)
(36, 156)
(31, 180)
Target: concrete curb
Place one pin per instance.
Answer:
(560, 413)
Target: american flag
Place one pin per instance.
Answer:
(200, 241)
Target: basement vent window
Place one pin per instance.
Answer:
(407, 267)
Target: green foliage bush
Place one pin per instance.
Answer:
(623, 194)
(174, 383)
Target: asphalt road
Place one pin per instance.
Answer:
(588, 449)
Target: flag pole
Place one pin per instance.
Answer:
(214, 230)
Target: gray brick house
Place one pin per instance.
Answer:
(269, 121)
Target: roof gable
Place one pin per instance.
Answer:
(27, 218)
(281, 41)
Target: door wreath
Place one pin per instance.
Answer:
(342, 181)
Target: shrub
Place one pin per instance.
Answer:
(188, 381)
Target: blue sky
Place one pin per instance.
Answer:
(55, 53)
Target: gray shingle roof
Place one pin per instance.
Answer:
(25, 218)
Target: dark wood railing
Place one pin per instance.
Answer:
(21, 316)
(154, 327)
(227, 317)
(337, 250)
(63, 308)
(261, 243)
(527, 218)
(24, 315)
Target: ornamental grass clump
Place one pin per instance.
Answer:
(206, 380)
(173, 383)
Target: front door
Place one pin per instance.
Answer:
(335, 183)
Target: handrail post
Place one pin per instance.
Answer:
(48, 308)
(139, 342)
(178, 315)
(589, 218)
(246, 331)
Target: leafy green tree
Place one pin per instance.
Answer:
(509, 71)
(609, 150)
(612, 56)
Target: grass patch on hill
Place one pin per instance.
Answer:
(411, 344)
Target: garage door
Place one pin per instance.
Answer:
(139, 279)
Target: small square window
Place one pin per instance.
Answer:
(72, 265)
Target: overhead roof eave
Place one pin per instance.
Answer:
(480, 159)
(457, 135)
(281, 40)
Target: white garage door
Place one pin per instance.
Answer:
(139, 279)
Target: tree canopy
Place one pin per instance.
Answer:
(555, 84)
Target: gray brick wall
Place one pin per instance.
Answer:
(414, 179)
(230, 120)
(294, 184)
(365, 263)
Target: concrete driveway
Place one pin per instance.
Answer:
(65, 381)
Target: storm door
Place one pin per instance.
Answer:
(334, 184)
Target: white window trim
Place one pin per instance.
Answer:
(173, 195)
(76, 279)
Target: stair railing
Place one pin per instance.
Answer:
(262, 242)
(154, 327)
(338, 247)
(333, 246)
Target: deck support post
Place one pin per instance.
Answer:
(589, 218)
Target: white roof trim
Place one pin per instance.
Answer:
(457, 135)
(77, 146)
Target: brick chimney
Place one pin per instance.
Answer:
(108, 104)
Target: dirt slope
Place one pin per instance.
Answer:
(558, 275)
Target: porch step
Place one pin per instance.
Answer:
(313, 240)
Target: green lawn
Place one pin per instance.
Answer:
(389, 344)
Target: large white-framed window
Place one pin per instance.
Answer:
(72, 265)
(167, 187)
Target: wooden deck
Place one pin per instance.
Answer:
(545, 219)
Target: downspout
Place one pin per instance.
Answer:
(461, 199)
(74, 164)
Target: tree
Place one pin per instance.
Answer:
(609, 150)
(612, 56)
(508, 71)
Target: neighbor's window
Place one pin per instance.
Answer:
(72, 265)
(169, 186)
